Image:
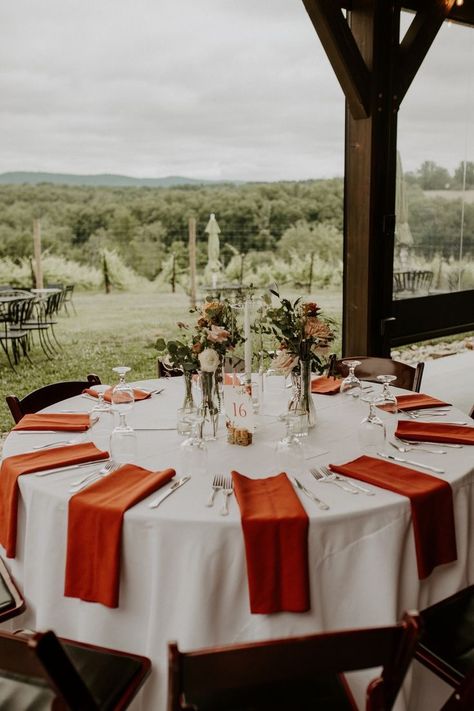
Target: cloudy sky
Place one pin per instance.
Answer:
(219, 89)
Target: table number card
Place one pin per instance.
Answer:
(239, 411)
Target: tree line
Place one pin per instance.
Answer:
(148, 226)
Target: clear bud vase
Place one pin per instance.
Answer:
(302, 398)
(188, 403)
(209, 405)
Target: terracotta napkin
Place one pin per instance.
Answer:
(275, 527)
(431, 507)
(19, 464)
(435, 432)
(137, 394)
(94, 531)
(325, 385)
(54, 421)
(416, 401)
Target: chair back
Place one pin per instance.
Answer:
(292, 673)
(11, 600)
(79, 677)
(48, 395)
(408, 376)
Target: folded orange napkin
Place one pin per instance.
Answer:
(416, 401)
(431, 506)
(275, 528)
(54, 421)
(94, 531)
(137, 394)
(325, 385)
(19, 464)
(435, 432)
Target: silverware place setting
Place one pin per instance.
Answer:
(227, 491)
(307, 492)
(325, 474)
(436, 470)
(174, 487)
(216, 486)
(421, 444)
(404, 447)
(90, 478)
(68, 467)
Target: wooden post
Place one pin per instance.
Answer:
(173, 273)
(242, 260)
(37, 253)
(106, 275)
(192, 261)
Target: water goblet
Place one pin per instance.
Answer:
(123, 441)
(371, 431)
(387, 397)
(289, 451)
(351, 385)
(193, 451)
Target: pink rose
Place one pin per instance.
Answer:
(218, 334)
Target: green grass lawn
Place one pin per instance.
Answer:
(109, 330)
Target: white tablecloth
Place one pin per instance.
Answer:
(183, 574)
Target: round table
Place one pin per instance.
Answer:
(183, 571)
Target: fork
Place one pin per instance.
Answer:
(217, 483)
(331, 478)
(56, 444)
(364, 489)
(410, 448)
(227, 490)
(418, 444)
(96, 474)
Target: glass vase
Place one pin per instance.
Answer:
(188, 403)
(209, 408)
(302, 398)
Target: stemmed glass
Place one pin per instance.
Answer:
(371, 430)
(193, 451)
(387, 397)
(123, 441)
(351, 385)
(289, 451)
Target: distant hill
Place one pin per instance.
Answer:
(107, 180)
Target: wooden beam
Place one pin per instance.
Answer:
(369, 187)
(343, 53)
(418, 40)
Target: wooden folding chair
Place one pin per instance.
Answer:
(11, 600)
(446, 644)
(408, 376)
(48, 395)
(296, 673)
(49, 672)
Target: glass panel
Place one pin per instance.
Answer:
(434, 235)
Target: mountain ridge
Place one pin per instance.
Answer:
(102, 180)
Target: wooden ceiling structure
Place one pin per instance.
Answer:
(375, 70)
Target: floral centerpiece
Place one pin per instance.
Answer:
(303, 336)
(202, 350)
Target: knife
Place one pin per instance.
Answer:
(410, 461)
(174, 487)
(55, 470)
(310, 494)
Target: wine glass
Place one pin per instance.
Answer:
(123, 440)
(371, 431)
(387, 397)
(289, 451)
(193, 451)
(351, 385)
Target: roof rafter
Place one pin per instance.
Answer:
(418, 40)
(343, 53)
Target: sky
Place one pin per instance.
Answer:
(215, 89)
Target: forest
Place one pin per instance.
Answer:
(265, 227)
